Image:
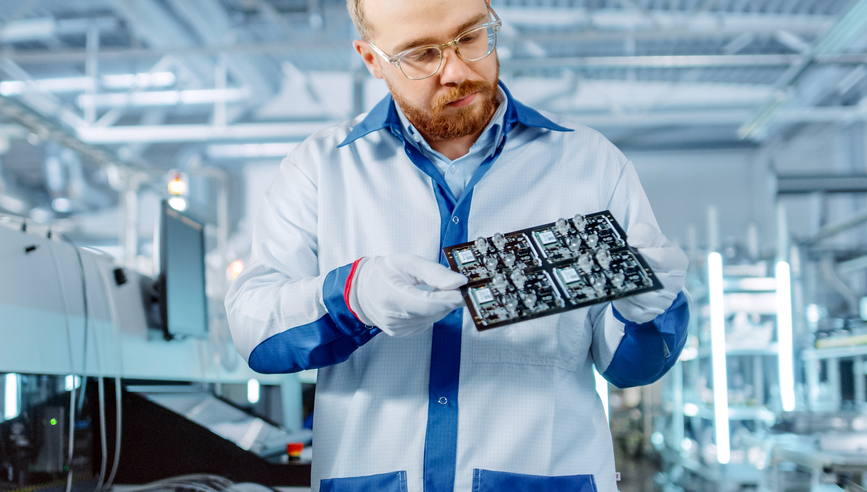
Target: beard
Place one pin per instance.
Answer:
(435, 124)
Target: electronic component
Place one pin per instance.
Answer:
(549, 269)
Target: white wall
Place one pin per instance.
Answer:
(681, 185)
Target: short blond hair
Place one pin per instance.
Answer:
(357, 15)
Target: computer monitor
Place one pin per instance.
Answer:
(182, 298)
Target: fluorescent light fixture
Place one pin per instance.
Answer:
(253, 150)
(178, 203)
(813, 314)
(784, 335)
(61, 205)
(690, 409)
(72, 382)
(12, 399)
(718, 356)
(82, 84)
(602, 389)
(163, 98)
(129, 80)
(253, 391)
(689, 353)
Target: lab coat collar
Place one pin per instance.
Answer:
(384, 115)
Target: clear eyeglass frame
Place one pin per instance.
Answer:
(395, 60)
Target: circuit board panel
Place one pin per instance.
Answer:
(549, 269)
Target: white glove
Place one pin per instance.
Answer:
(668, 262)
(403, 294)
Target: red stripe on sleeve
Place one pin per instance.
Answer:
(349, 287)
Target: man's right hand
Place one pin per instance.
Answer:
(403, 294)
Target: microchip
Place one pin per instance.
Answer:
(466, 257)
(569, 275)
(483, 295)
(547, 237)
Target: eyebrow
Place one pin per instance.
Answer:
(430, 40)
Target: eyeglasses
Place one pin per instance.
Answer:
(424, 61)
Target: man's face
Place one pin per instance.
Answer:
(460, 98)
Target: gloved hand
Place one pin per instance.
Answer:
(403, 294)
(668, 262)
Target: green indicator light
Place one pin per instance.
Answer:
(53, 421)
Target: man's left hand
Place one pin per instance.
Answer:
(668, 262)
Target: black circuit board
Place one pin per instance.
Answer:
(531, 273)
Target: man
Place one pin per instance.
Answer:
(347, 275)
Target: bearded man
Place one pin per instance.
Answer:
(347, 275)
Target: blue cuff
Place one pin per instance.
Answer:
(326, 341)
(648, 350)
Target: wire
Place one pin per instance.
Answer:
(86, 319)
(117, 386)
(72, 371)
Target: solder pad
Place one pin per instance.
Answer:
(549, 269)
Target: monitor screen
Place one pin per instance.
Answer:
(183, 302)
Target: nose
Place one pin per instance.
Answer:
(454, 70)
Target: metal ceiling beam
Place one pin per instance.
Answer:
(297, 131)
(199, 133)
(677, 61)
(211, 23)
(635, 21)
(850, 27)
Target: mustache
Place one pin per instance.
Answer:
(461, 91)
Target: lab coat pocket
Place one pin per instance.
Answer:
(385, 482)
(494, 481)
(558, 340)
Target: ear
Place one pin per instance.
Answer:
(369, 57)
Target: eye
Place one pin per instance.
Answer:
(422, 56)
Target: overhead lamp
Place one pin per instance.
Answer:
(72, 382)
(12, 396)
(718, 357)
(162, 98)
(178, 203)
(235, 269)
(62, 205)
(178, 183)
(784, 335)
(253, 391)
(81, 84)
(251, 150)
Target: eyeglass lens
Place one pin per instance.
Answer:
(472, 46)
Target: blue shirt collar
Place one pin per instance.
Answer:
(384, 115)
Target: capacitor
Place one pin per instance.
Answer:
(491, 263)
(508, 260)
(512, 306)
(585, 263)
(603, 257)
(499, 241)
(598, 284)
(592, 240)
(482, 245)
(562, 226)
(579, 222)
(530, 301)
(500, 282)
(617, 279)
(519, 279)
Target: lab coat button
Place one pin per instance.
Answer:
(443, 400)
(455, 220)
